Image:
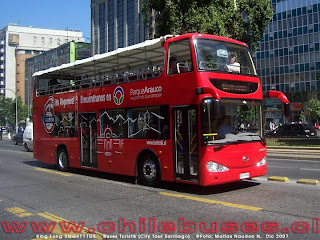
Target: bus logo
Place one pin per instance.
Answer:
(118, 95)
(245, 159)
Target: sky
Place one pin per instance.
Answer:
(53, 14)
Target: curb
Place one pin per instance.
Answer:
(308, 181)
(300, 181)
(293, 148)
(278, 179)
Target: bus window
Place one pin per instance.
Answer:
(240, 121)
(179, 60)
(113, 123)
(224, 57)
(136, 123)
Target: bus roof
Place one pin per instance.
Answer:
(141, 53)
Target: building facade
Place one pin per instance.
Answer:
(66, 53)
(18, 43)
(288, 58)
(116, 24)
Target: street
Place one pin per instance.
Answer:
(294, 164)
(105, 206)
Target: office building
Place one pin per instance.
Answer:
(116, 24)
(18, 43)
(288, 58)
(66, 53)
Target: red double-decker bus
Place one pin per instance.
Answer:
(178, 108)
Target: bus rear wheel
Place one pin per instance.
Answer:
(63, 160)
(149, 171)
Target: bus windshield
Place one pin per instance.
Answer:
(239, 121)
(223, 57)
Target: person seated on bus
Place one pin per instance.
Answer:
(225, 128)
(182, 67)
(53, 82)
(172, 66)
(232, 65)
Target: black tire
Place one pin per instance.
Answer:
(26, 147)
(149, 171)
(15, 142)
(63, 160)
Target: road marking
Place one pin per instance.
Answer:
(19, 212)
(212, 201)
(53, 172)
(58, 230)
(308, 169)
(282, 167)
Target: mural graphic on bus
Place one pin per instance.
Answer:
(133, 123)
(48, 118)
(63, 124)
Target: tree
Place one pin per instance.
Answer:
(244, 20)
(7, 111)
(314, 109)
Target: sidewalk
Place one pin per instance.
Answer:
(5, 138)
(293, 152)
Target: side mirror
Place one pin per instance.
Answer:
(286, 109)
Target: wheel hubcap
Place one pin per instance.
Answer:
(149, 170)
(62, 159)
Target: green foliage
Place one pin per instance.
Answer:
(7, 111)
(247, 115)
(314, 109)
(245, 21)
(301, 117)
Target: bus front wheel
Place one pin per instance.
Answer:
(149, 171)
(63, 159)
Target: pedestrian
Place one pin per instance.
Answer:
(0, 133)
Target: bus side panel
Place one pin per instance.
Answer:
(119, 156)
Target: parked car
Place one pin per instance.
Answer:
(28, 138)
(18, 138)
(295, 130)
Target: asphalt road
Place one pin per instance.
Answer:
(33, 194)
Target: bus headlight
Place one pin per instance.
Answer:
(215, 167)
(262, 162)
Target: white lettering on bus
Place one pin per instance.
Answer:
(145, 90)
(68, 101)
(64, 101)
(95, 98)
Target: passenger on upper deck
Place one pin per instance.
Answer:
(53, 82)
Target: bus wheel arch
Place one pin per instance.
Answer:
(148, 168)
(62, 158)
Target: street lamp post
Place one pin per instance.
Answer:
(8, 89)
(28, 96)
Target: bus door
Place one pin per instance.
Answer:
(88, 139)
(186, 149)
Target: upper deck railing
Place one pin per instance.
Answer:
(138, 62)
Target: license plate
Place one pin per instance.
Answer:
(244, 175)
